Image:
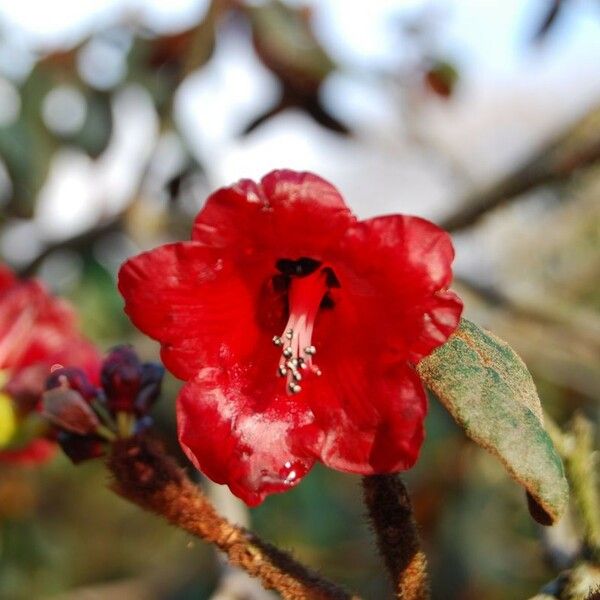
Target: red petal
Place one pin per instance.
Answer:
(370, 415)
(192, 300)
(243, 438)
(287, 215)
(394, 270)
(7, 278)
(38, 328)
(37, 452)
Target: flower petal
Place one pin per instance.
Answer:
(192, 300)
(242, 437)
(398, 267)
(33, 324)
(371, 418)
(7, 278)
(288, 213)
(37, 452)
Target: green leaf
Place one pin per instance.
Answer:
(488, 390)
(286, 44)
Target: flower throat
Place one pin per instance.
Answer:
(308, 285)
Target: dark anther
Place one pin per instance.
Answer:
(286, 266)
(299, 268)
(332, 281)
(281, 283)
(306, 266)
(327, 302)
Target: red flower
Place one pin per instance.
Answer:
(38, 333)
(351, 306)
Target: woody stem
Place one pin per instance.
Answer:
(146, 476)
(391, 515)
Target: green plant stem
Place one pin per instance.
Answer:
(392, 517)
(576, 448)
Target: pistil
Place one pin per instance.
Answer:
(304, 299)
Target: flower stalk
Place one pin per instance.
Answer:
(391, 515)
(144, 475)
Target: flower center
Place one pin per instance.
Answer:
(306, 292)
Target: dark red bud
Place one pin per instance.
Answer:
(121, 379)
(151, 383)
(79, 448)
(65, 408)
(73, 378)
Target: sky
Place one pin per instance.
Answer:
(511, 99)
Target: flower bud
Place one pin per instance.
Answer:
(72, 378)
(121, 379)
(79, 448)
(66, 408)
(150, 387)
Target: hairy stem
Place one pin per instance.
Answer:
(391, 514)
(146, 476)
(576, 448)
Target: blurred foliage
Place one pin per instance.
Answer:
(62, 531)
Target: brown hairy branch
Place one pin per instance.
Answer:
(391, 514)
(146, 476)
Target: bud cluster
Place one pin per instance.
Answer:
(86, 417)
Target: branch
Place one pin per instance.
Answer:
(144, 475)
(576, 148)
(391, 514)
(78, 243)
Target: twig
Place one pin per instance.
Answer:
(578, 147)
(144, 475)
(77, 243)
(391, 514)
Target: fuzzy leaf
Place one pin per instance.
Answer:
(488, 390)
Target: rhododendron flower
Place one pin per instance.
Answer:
(297, 328)
(38, 333)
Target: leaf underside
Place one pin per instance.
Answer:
(488, 390)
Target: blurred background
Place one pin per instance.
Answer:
(118, 117)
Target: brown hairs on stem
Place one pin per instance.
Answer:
(391, 515)
(146, 476)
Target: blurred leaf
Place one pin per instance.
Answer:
(580, 583)
(441, 78)
(287, 46)
(94, 135)
(27, 145)
(26, 148)
(488, 390)
(161, 63)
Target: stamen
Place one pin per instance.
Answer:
(304, 297)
